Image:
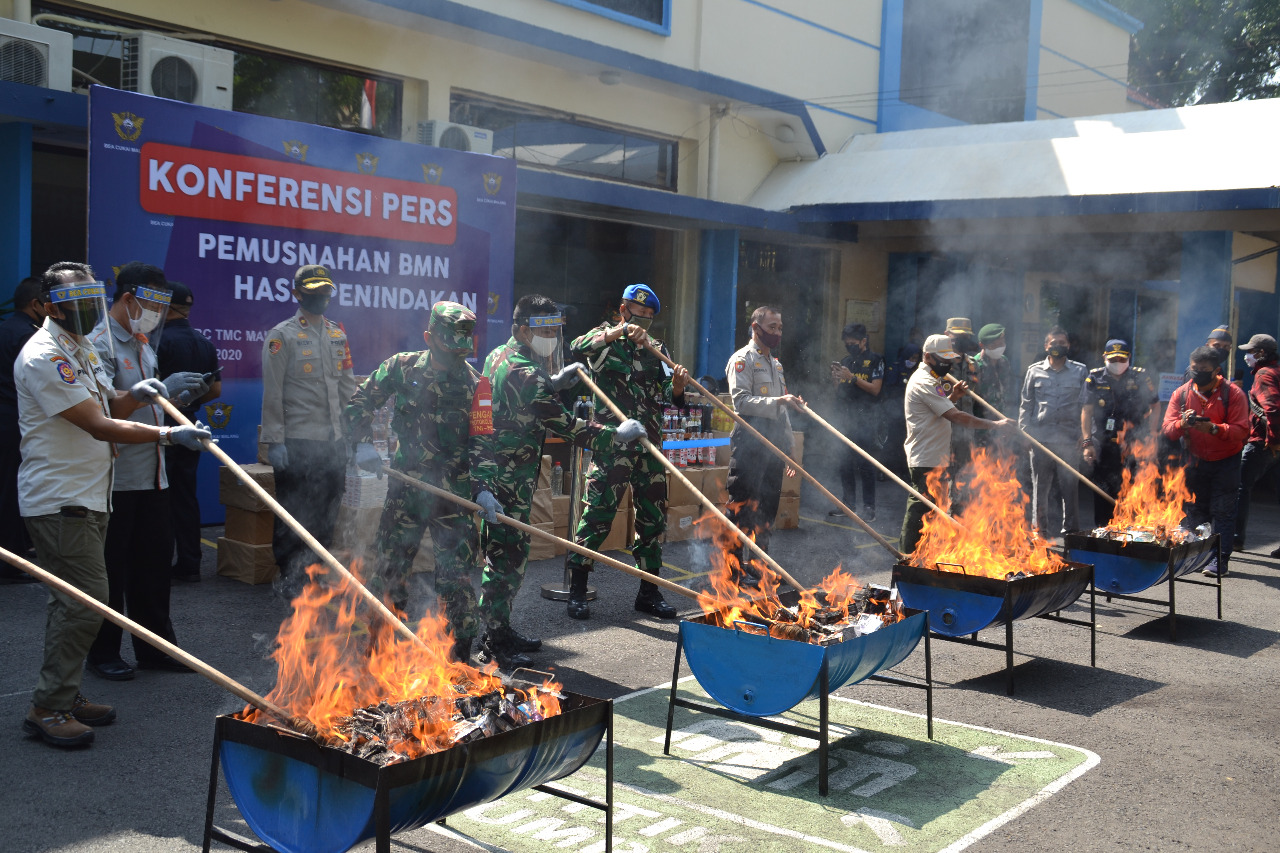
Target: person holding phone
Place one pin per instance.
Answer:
(184, 348)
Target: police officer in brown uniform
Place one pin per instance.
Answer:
(306, 383)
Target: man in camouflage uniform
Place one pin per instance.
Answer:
(639, 383)
(525, 408)
(440, 443)
(1115, 413)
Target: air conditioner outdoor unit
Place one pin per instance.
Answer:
(37, 56)
(460, 137)
(178, 70)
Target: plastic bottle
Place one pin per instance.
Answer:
(557, 480)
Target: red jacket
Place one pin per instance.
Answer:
(1233, 424)
(1265, 400)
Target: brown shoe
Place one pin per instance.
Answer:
(92, 713)
(57, 728)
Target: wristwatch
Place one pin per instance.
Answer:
(164, 440)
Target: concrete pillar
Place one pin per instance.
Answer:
(1204, 289)
(15, 205)
(717, 300)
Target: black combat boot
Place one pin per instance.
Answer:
(462, 649)
(520, 642)
(497, 646)
(649, 599)
(578, 607)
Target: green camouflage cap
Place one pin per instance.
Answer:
(453, 324)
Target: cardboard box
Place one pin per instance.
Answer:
(788, 514)
(542, 549)
(715, 482)
(262, 448)
(247, 563)
(562, 510)
(791, 485)
(251, 528)
(681, 523)
(356, 528)
(231, 492)
(722, 453)
(365, 490)
(797, 446)
(563, 533)
(544, 473)
(540, 510)
(679, 494)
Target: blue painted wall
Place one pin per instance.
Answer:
(1204, 289)
(15, 206)
(717, 300)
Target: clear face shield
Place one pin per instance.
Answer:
(79, 308)
(146, 314)
(547, 340)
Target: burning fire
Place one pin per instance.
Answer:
(994, 539)
(823, 613)
(329, 668)
(1148, 499)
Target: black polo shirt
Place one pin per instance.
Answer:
(181, 349)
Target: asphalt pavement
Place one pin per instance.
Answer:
(1187, 733)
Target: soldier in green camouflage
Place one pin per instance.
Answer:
(525, 408)
(434, 393)
(641, 384)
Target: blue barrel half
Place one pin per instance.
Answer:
(1125, 568)
(300, 797)
(760, 676)
(960, 604)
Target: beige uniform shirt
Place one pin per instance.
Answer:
(306, 381)
(756, 381)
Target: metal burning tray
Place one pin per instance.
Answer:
(960, 605)
(300, 797)
(755, 676)
(1122, 569)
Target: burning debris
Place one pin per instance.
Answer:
(869, 610)
(373, 693)
(1160, 535)
(1151, 505)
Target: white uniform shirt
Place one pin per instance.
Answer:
(62, 465)
(138, 466)
(928, 443)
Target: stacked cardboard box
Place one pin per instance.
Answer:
(682, 523)
(244, 553)
(789, 506)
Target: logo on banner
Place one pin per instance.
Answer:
(492, 182)
(432, 173)
(218, 414)
(128, 126)
(493, 302)
(64, 369)
(296, 150)
(366, 164)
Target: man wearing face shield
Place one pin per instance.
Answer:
(442, 416)
(930, 408)
(1049, 411)
(307, 380)
(526, 374)
(641, 385)
(139, 538)
(71, 419)
(1115, 406)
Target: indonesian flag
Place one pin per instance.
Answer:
(369, 104)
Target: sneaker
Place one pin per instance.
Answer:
(1275, 553)
(835, 513)
(92, 713)
(111, 670)
(868, 513)
(1214, 572)
(57, 728)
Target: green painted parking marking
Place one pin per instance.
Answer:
(732, 786)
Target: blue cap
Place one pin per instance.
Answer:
(1116, 346)
(641, 294)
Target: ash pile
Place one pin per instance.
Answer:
(381, 733)
(868, 610)
(1159, 534)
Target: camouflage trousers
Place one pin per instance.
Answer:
(506, 549)
(608, 478)
(408, 513)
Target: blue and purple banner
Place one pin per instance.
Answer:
(232, 204)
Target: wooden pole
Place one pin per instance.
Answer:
(551, 537)
(222, 680)
(305, 535)
(876, 462)
(776, 451)
(1046, 451)
(706, 501)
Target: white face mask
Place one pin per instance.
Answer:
(543, 347)
(996, 352)
(1251, 359)
(145, 322)
(1115, 368)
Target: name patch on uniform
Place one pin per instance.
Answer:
(64, 369)
(482, 408)
(273, 347)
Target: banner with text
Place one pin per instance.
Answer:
(232, 204)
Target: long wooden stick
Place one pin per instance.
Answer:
(551, 537)
(777, 451)
(219, 678)
(706, 501)
(305, 535)
(850, 443)
(1046, 451)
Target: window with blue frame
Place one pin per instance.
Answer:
(653, 13)
(966, 59)
(566, 143)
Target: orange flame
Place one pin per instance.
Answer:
(1149, 499)
(328, 666)
(994, 539)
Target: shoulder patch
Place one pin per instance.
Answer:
(739, 366)
(65, 371)
(273, 346)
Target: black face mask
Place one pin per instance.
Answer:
(1058, 352)
(854, 350)
(1203, 377)
(940, 368)
(79, 316)
(315, 304)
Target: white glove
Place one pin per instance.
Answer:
(278, 456)
(190, 437)
(567, 377)
(367, 458)
(628, 431)
(490, 505)
(148, 390)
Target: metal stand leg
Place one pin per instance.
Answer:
(1008, 657)
(1093, 624)
(671, 702)
(1173, 607)
(928, 684)
(1219, 595)
(213, 787)
(608, 774)
(382, 817)
(823, 731)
